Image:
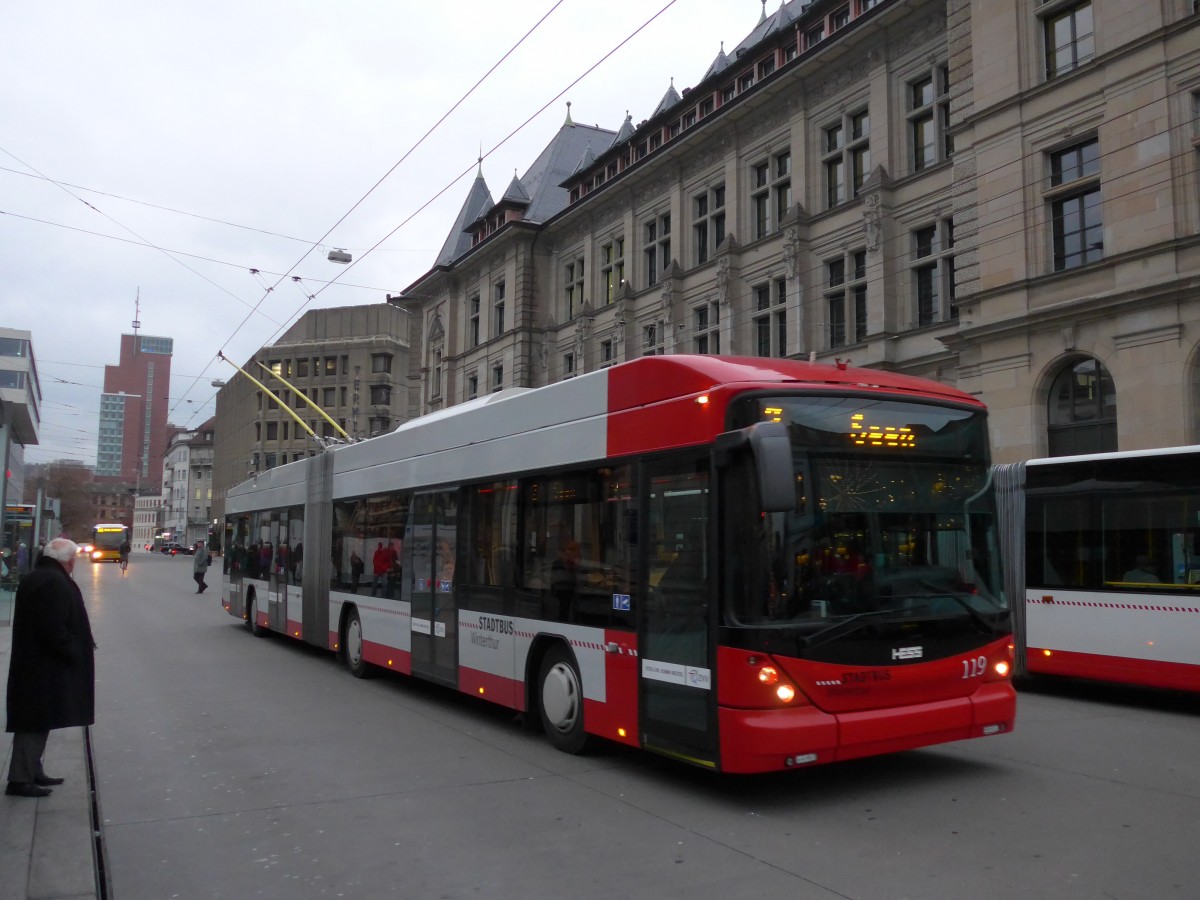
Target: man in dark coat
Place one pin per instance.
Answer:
(52, 667)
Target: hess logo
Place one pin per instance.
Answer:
(908, 653)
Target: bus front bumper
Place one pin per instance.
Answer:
(800, 736)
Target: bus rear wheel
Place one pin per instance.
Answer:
(561, 701)
(252, 616)
(352, 646)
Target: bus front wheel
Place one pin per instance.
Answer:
(352, 646)
(561, 701)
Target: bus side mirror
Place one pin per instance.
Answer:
(772, 452)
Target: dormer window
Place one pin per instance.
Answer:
(746, 82)
(690, 119)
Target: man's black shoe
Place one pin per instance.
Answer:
(203, 588)
(22, 789)
(46, 780)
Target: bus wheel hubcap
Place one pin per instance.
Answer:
(560, 697)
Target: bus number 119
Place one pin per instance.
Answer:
(974, 668)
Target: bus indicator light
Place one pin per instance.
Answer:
(768, 675)
(621, 732)
(481, 690)
(702, 399)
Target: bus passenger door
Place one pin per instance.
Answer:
(277, 576)
(677, 685)
(429, 549)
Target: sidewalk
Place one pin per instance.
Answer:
(48, 845)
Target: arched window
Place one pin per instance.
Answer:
(1082, 410)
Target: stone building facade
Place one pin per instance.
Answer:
(1002, 196)
(352, 362)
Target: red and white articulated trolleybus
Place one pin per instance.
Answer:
(1103, 563)
(747, 564)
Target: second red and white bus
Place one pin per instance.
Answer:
(747, 564)
(1103, 565)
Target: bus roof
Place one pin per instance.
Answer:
(1118, 454)
(642, 405)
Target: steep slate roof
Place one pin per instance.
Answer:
(670, 98)
(515, 192)
(576, 147)
(540, 190)
(543, 180)
(720, 64)
(626, 131)
(458, 242)
(767, 25)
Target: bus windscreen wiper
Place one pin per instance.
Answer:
(980, 618)
(845, 627)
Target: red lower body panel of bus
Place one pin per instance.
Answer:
(1118, 669)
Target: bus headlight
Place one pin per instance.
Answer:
(785, 692)
(1001, 668)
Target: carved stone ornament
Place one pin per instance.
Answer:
(723, 281)
(791, 250)
(582, 327)
(1069, 336)
(873, 221)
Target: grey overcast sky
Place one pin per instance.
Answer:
(164, 149)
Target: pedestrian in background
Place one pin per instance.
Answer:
(52, 667)
(200, 563)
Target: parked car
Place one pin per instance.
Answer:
(172, 548)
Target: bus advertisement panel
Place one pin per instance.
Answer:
(1103, 560)
(746, 564)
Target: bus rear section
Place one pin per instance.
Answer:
(107, 541)
(1105, 561)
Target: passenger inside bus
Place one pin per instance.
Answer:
(1143, 571)
(564, 577)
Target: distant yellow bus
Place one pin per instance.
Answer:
(107, 540)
